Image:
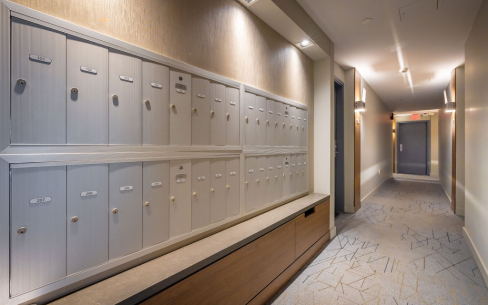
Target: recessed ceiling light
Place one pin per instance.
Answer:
(248, 2)
(367, 21)
(305, 43)
(404, 70)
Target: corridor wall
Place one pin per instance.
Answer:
(476, 124)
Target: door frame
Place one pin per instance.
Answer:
(399, 140)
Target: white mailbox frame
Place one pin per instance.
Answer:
(20, 156)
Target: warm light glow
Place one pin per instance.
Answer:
(451, 110)
(364, 95)
(359, 110)
(305, 43)
(445, 97)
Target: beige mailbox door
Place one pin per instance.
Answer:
(270, 179)
(38, 85)
(250, 118)
(270, 123)
(261, 181)
(125, 75)
(286, 176)
(200, 113)
(217, 190)
(155, 202)
(279, 177)
(200, 200)
(260, 120)
(232, 172)
(232, 117)
(155, 104)
(250, 183)
(180, 197)
(217, 114)
(86, 93)
(180, 108)
(280, 126)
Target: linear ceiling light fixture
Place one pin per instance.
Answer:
(248, 2)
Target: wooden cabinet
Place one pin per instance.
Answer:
(310, 226)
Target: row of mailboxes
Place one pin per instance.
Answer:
(69, 91)
(274, 123)
(271, 178)
(66, 219)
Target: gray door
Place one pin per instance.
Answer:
(279, 177)
(87, 93)
(180, 197)
(249, 113)
(279, 126)
(286, 176)
(155, 195)
(38, 83)
(125, 204)
(217, 111)
(87, 221)
(270, 123)
(413, 148)
(250, 187)
(260, 120)
(232, 116)
(125, 99)
(155, 104)
(200, 114)
(38, 232)
(261, 184)
(200, 200)
(270, 179)
(232, 186)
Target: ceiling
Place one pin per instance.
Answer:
(426, 36)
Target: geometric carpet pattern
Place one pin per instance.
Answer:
(404, 246)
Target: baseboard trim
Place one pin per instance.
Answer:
(375, 189)
(333, 232)
(476, 256)
(445, 192)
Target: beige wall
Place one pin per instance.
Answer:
(376, 142)
(476, 125)
(220, 36)
(460, 141)
(349, 141)
(434, 140)
(445, 147)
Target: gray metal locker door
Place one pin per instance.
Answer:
(217, 114)
(305, 172)
(299, 127)
(200, 114)
(180, 197)
(299, 176)
(232, 109)
(304, 129)
(180, 108)
(260, 120)
(86, 93)
(280, 127)
(270, 179)
(250, 118)
(125, 208)
(155, 198)
(270, 123)
(286, 125)
(279, 177)
(250, 183)
(200, 200)
(232, 186)
(217, 190)
(286, 176)
(125, 93)
(155, 104)
(38, 84)
(293, 126)
(38, 227)
(87, 221)
(261, 181)
(293, 175)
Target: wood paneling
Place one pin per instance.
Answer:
(220, 36)
(270, 290)
(238, 277)
(357, 144)
(309, 228)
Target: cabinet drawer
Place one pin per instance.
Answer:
(310, 226)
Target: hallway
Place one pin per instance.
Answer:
(404, 246)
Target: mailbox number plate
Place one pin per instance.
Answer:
(157, 183)
(180, 178)
(157, 86)
(126, 78)
(88, 70)
(40, 200)
(88, 193)
(39, 58)
(126, 188)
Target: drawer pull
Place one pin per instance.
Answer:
(309, 212)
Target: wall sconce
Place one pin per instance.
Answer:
(360, 106)
(449, 105)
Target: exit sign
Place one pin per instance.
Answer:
(415, 117)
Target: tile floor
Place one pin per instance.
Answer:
(404, 246)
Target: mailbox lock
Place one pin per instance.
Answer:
(247, 119)
(147, 203)
(283, 175)
(227, 186)
(194, 194)
(283, 125)
(267, 178)
(173, 106)
(21, 82)
(276, 177)
(247, 183)
(303, 127)
(212, 112)
(74, 219)
(194, 109)
(212, 190)
(267, 122)
(115, 97)
(257, 120)
(276, 123)
(291, 125)
(147, 102)
(228, 115)
(74, 90)
(173, 198)
(257, 180)
(115, 211)
(22, 230)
